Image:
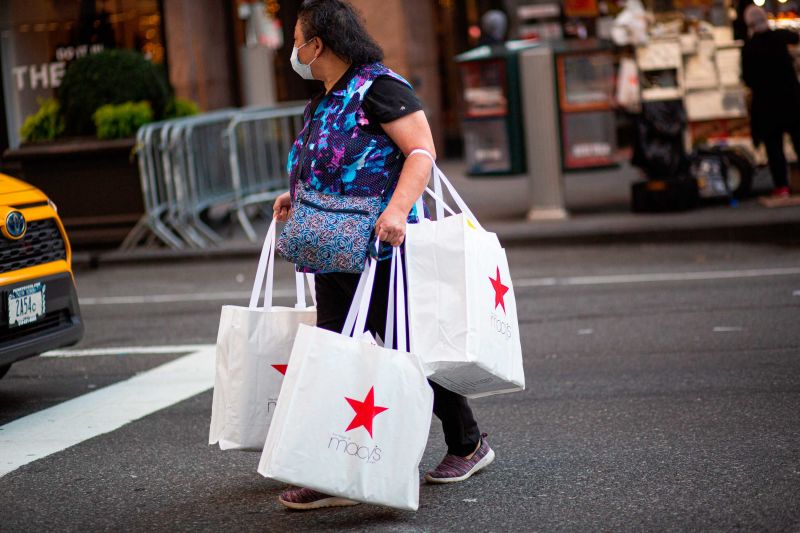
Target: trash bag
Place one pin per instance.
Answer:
(659, 149)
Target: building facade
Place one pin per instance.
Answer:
(201, 46)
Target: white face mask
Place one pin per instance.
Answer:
(303, 70)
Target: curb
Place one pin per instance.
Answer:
(95, 259)
(782, 229)
(786, 233)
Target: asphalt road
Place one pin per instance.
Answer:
(663, 394)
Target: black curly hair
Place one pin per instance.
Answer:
(341, 28)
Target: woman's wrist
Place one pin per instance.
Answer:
(397, 208)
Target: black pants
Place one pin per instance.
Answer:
(334, 295)
(773, 142)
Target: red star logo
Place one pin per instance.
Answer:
(281, 368)
(500, 291)
(366, 411)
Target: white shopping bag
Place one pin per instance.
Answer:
(462, 311)
(353, 417)
(253, 348)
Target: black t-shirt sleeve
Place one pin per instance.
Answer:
(389, 99)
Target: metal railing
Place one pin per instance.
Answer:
(258, 147)
(232, 161)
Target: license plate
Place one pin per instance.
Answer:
(26, 304)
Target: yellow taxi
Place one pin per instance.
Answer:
(38, 299)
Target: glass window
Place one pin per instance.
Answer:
(485, 88)
(39, 38)
(588, 79)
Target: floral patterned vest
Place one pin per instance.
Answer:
(334, 155)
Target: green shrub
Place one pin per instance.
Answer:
(45, 125)
(180, 107)
(118, 121)
(109, 77)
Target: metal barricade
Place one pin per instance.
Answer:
(228, 160)
(199, 174)
(154, 191)
(258, 148)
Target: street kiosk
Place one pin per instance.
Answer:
(492, 117)
(493, 122)
(585, 75)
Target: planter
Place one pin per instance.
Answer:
(95, 185)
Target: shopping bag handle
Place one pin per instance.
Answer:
(265, 276)
(440, 179)
(396, 307)
(356, 321)
(299, 283)
(265, 270)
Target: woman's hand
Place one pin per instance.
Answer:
(391, 226)
(281, 207)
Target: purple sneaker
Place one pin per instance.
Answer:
(306, 499)
(454, 468)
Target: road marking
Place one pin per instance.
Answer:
(177, 298)
(726, 329)
(587, 331)
(238, 296)
(796, 293)
(657, 277)
(54, 429)
(131, 350)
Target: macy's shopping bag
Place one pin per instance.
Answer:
(253, 347)
(462, 312)
(353, 417)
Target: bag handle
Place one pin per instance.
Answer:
(355, 324)
(388, 335)
(440, 179)
(397, 305)
(265, 270)
(265, 276)
(299, 280)
(360, 304)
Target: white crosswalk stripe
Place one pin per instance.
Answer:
(59, 427)
(132, 350)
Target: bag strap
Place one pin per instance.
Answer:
(356, 321)
(397, 305)
(440, 179)
(350, 321)
(366, 297)
(265, 270)
(418, 204)
(388, 336)
(312, 285)
(299, 282)
(439, 199)
(265, 276)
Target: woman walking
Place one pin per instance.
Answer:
(356, 136)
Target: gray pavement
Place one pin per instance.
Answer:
(651, 404)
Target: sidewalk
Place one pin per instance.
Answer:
(598, 203)
(599, 207)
